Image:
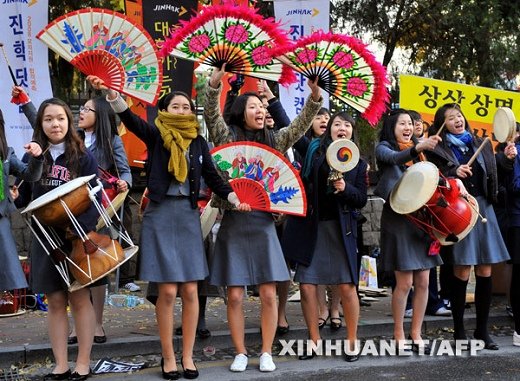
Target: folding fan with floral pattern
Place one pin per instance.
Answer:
(237, 36)
(261, 177)
(109, 45)
(345, 69)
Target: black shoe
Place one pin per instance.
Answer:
(322, 321)
(203, 333)
(72, 340)
(280, 330)
(57, 376)
(173, 375)
(489, 344)
(190, 374)
(335, 323)
(75, 376)
(351, 358)
(101, 339)
(416, 347)
(305, 356)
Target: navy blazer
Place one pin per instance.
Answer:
(301, 233)
(158, 177)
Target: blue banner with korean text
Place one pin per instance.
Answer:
(300, 18)
(20, 21)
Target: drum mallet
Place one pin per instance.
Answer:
(484, 219)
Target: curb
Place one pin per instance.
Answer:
(148, 345)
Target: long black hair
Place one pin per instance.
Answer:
(237, 122)
(3, 139)
(326, 137)
(388, 130)
(440, 117)
(105, 128)
(74, 146)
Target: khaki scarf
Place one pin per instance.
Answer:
(404, 146)
(177, 132)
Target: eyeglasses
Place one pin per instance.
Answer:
(86, 109)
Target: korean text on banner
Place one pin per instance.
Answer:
(300, 18)
(28, 57)
(479, 104)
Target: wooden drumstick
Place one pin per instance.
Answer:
(477, 152)
(440, 129)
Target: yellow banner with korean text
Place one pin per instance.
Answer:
(479, 104)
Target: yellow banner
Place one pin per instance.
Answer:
(479, 104)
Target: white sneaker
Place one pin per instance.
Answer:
(266, 363)
(408, 313)
(516, 339)
(239, 363)
(132, 287)
(442, 312)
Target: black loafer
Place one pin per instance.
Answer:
(57, 376)
(75, 376)
(280, 330)
(203, 333)
(190, 374)
(351, 358)
(173, 375)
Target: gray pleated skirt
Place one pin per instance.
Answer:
(247, 251)
(404, 247)
(11, 273)
(484, 243)
(171, 247)
(329, 263)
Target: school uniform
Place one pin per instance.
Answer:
(324, 242)
(484, 243)
(247, 248)
(404, 246)
(11, 273)
(171, 245)
(44, 277)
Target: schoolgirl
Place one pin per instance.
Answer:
(247, 249)
(172, 250)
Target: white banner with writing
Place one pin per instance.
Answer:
(20, 22)
(300, 18)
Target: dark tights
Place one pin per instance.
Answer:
(515, 296)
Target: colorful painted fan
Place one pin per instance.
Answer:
(237, 36)
(262, 177)
(345, 68)
(109, 45)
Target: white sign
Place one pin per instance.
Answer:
(20, 22)
(300, 18)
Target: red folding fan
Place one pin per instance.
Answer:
(109, 45)
(237, 36)
(262, 177)
(345, 68)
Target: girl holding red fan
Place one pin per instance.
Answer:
(237, 262)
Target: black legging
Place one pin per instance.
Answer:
(515, 295)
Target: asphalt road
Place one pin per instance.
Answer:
(486, 365)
